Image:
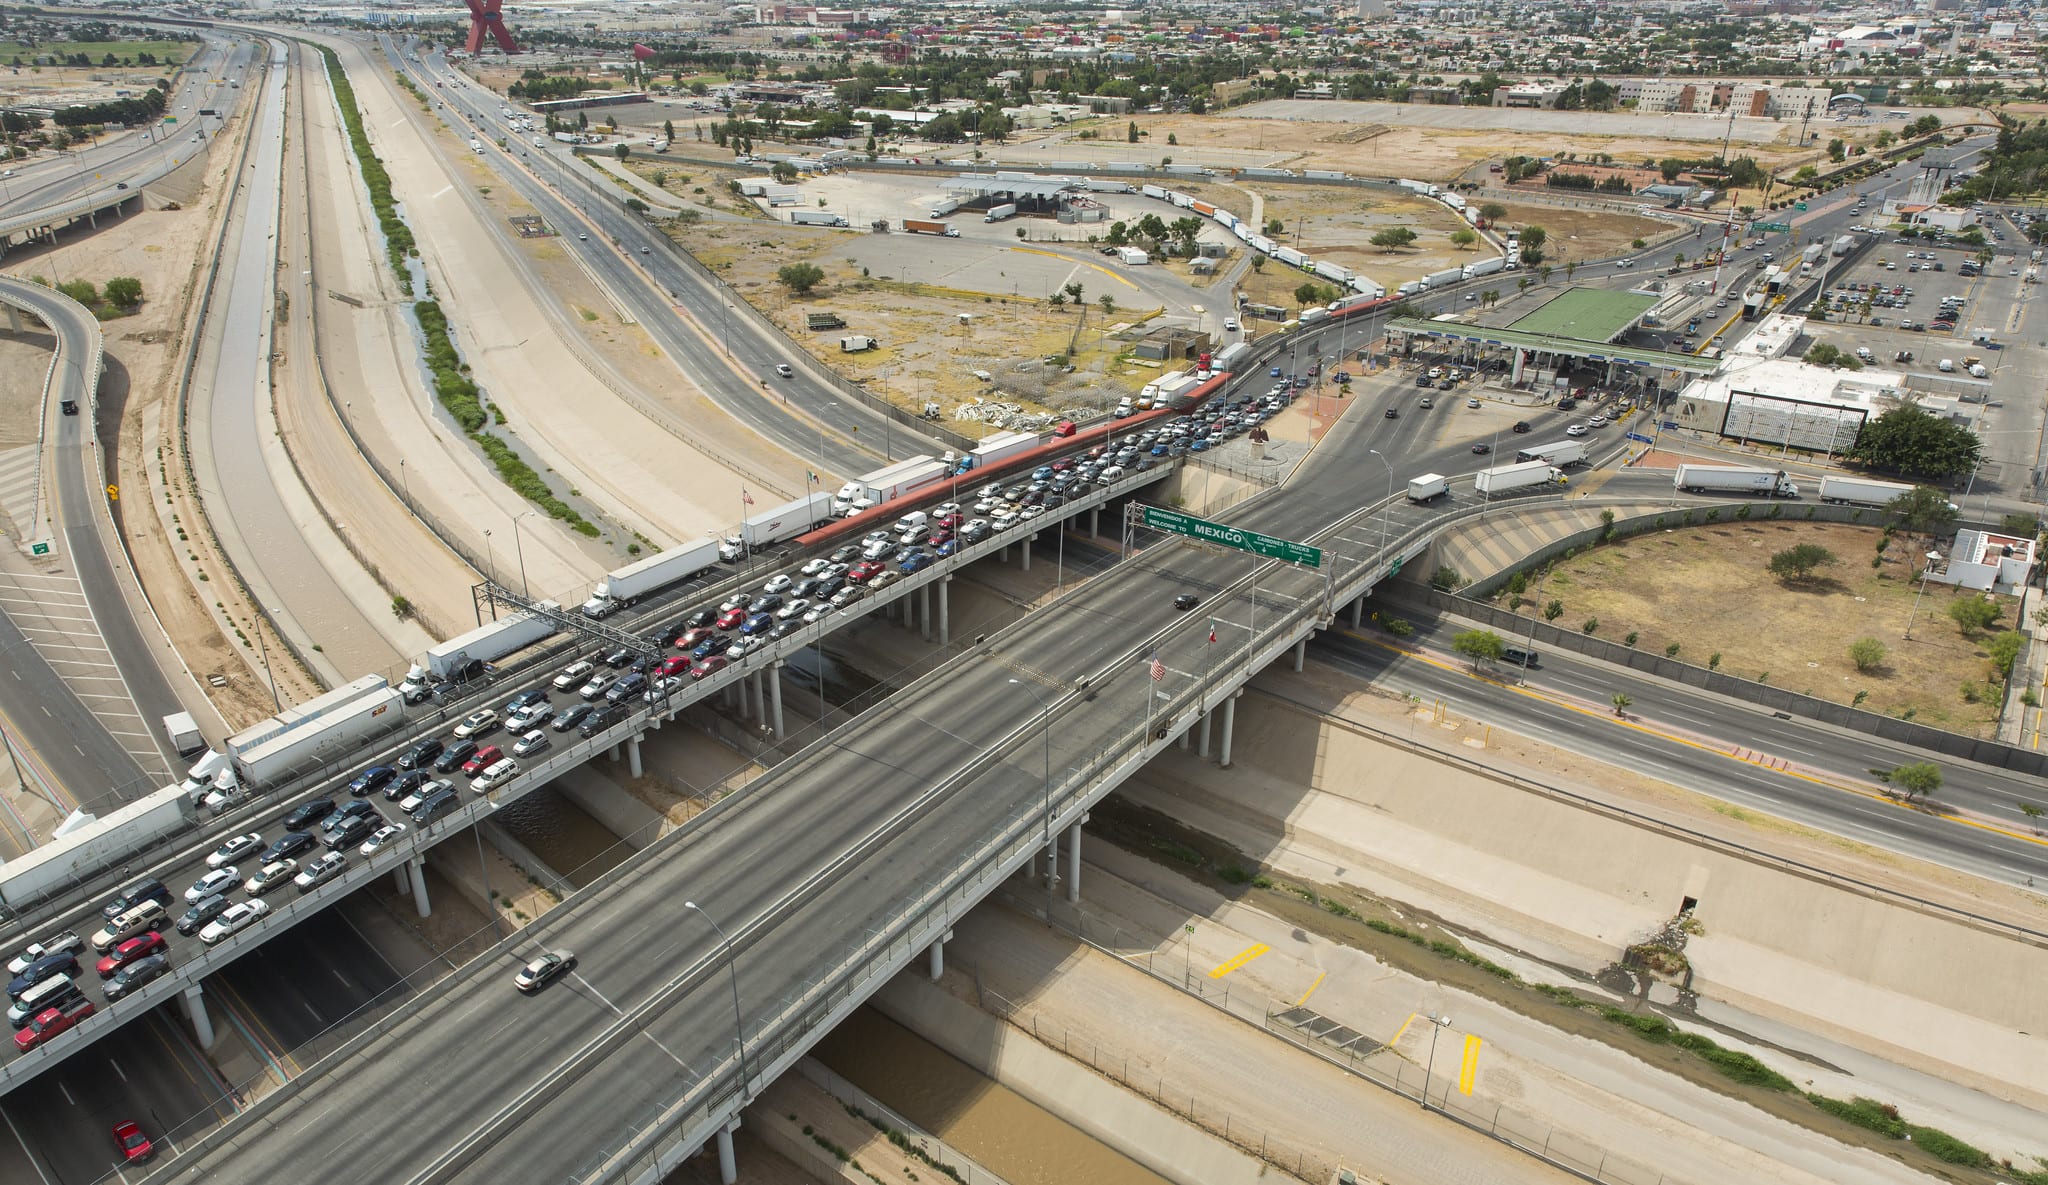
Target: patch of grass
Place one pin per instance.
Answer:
(529, 484)
(1882, 1118)
(398, 240)
(1740, 1067)
(1178, 851)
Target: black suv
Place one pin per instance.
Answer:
(602, 719)
(306, 814)
(419, 755)
(454, 755)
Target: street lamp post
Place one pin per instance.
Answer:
(739, 1030)
(1052, 858)
(1933, 558)
(1437, 1024)
(519, 547)
(1387, 507)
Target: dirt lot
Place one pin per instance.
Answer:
(928, 351)
(1425, 153)
(1707, 590)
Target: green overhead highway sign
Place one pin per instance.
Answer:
(1768, 228)
(1799, 206)
(1200, 528)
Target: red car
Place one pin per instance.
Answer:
(864, 571)
(673, 665)
(689, 640)
(485, 757)
(704, 667)
(129, 951)
(731, 618)
(133, 1144)
(51, 1022)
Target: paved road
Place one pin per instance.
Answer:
(1692, 738)
(239, 461)
(110, 767)
(755, 351)
(142, 156)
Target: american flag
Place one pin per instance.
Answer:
(1158, 669)
(746, 497)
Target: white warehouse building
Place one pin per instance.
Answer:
(1784, 401)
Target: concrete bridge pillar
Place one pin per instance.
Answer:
(398, 882)
(945, 611)
(924, 612)
(633, 757)
(1203, 749)
(937, 952)
(1229, 726)
(1074, 859)
(775, 694)
(728, 1166)
(1095, 522)
(1024, 549)
(1357, 612)
(1183, 738)
(613, 752)
(13, 319)
(1300, 653)
(416, 868)
(195, 1012)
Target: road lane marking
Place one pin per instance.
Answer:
(1402, 1031)
(123, 1074)
(176, 1060)
(1470, 1069)
(25, 1149)
(1874, 797)
(1239, 959)
(1311, 989)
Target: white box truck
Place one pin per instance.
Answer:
(786, 521)
(888, 483)
(1521, 476)
(816, 218)
(1861, 491)
(1844, 244)
(1336, 272)
(1485, 267)
(1422, 187)
(1560, 454)
(928, 226)
(463, 656)
(1450, 275)
(183, 732)
(856, 343)
(332, 738)
(1428, 486)
(1001, 447)
(656, 572)
(1733, 479)
(998, 213)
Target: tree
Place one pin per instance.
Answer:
(1909, 441)
(1972, 614)
(1492, 211)
(783, 171)
(2033, 814)
(2004, 649)
(1463, 238)
(668, 130)
(800, 278)
(1921, 777)
(622, 151)
(1131, 133)
(1392, 238)
(1533, 238)
(1554, 610)
(1830, 355)
(1922, 510)
(124, 292)
(1621, 700)
(1108, 303)
(1796, 564)
(1479, 646)
(1311, 293)
(1837, 150)
(1867, 653)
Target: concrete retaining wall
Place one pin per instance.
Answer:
(604, 800)
(1127, 1122)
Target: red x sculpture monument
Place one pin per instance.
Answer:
(484, 17)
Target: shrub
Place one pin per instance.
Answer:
(1867, 653)
(1591, 624)
(1446, 579)
(1946, 1148)
(1972, 614)
(1882, 1118)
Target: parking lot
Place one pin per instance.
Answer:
(1923, 302)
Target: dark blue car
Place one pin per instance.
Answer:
(759, 623)
(370, 779)
(916, 562)
(716, 644)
